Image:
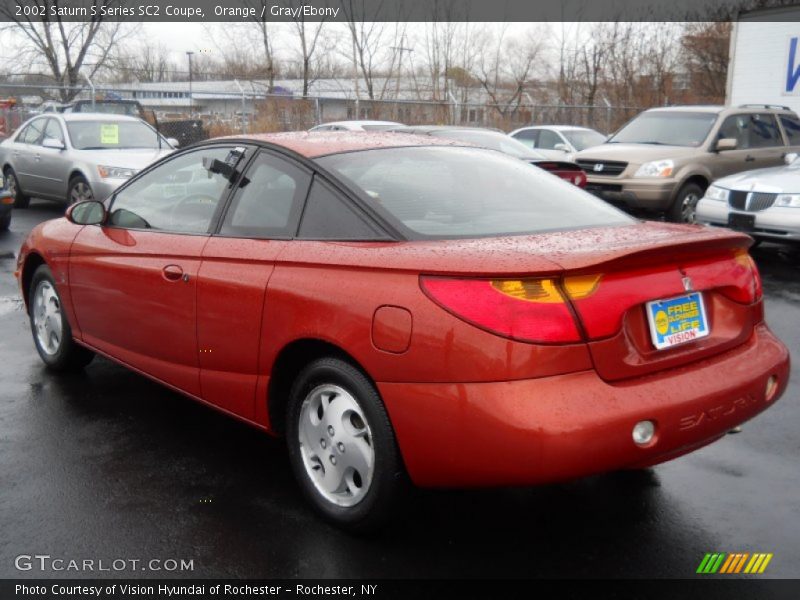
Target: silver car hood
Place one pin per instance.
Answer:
(774, 179)
(129, 158)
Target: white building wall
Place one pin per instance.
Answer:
(760, 71)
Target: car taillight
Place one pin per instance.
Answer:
(528, 310)
(756, 288)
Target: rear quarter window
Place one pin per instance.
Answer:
(791, 125)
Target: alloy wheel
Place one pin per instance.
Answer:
(11, 184)
(80, 192)
(47, 319)
(689, 207)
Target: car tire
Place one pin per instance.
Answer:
(5, 222)
(684, 206)
(342, 446)
(21, 199)
(79, 190)
(52, 334)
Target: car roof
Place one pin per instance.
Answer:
(556, 128)
(427, 129)
(709, 108)
(312, 144)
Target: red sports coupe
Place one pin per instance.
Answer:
(394, 304)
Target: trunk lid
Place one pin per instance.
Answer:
(665, 262)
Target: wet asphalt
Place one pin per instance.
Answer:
(107, 465)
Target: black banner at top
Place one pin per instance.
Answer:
(390, 10)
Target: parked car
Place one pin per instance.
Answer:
(558, 141)
(764, 203)
(393, 303)
(497, 140)
(54, 107)
(6, 206)
(73, 157)
(664, 159)
(357, 126)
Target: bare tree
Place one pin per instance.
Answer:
(705, 58)
(261, 24)
(64, 48)
(309, 40)
(146, 63)
(366, 38)
(505, 67)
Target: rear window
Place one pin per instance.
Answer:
(452, 192)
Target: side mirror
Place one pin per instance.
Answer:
(173, 142)
(53, 143)
(90, 212)
(561, 147)
(790, 157)
(726, 144)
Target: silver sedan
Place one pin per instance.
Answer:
(73, 157)
(764, 203)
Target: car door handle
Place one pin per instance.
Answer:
(174, 273)
(749, 158)
(36, 157)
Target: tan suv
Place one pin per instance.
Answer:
(664, 159)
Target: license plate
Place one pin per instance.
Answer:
(677, 320)
(741, 222)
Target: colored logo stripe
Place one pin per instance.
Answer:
(721, 562)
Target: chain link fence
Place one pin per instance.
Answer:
(212, 109)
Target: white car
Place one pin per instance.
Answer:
(764, 203)
(558, 141)
(357, 126)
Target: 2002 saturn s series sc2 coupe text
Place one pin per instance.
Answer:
(398, 305)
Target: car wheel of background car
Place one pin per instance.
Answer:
(685, 205)
(5, 222)
(21, 200)
(79, 190)
(342, 446)
(52, 334)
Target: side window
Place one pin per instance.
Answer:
(268, 201)
(53, 130)
(735, 127)
(179, 196)
(328, 216)
(528, 137)
(548, 140)
(32, 134)
(764, 132)
(791, 125)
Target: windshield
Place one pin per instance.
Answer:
(102, 135)
(452, 192)
(583, 138)
(490, 139)
(115, 108)
(668, 128)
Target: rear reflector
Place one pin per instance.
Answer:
(528, 310)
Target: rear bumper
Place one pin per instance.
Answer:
(555, 428)
(776, 223)
(643, 194)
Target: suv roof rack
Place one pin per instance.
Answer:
(774, 106)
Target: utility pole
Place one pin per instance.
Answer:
(401, 48)
(189, 54)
